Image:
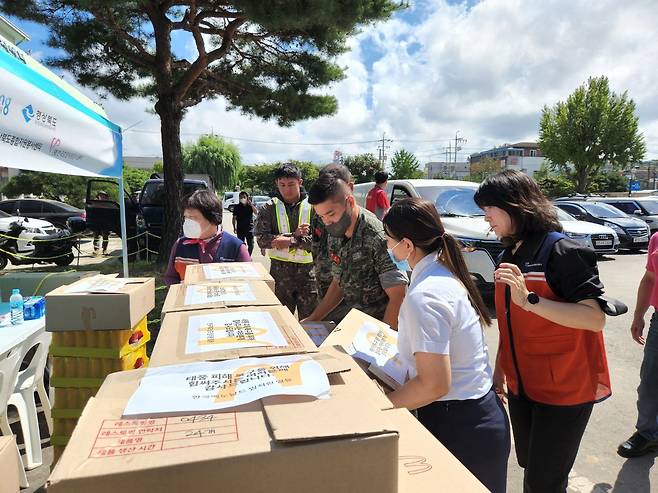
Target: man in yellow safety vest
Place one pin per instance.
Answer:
(283, 227)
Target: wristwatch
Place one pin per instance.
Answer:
(533, 298)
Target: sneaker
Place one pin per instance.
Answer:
(636, 446)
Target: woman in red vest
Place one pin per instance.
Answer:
(551, 356)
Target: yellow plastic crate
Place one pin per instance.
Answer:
(100, 343)
(64, 427)
(90, 372)
(72, 398)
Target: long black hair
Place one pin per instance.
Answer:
(519, 195)
(418, 220)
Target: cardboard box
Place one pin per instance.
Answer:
(233, 271)
(124, 309)
(224, 294)
(10, 465)
(37, 283)
(171, 346)
(425, 465)
(277, 444)
(344, 334)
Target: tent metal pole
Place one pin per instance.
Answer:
(124, 234)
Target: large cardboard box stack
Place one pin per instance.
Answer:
(94, 334)
(228, 271)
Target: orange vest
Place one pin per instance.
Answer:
(547, 362)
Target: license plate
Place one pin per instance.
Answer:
(641, 239)
(603, 243)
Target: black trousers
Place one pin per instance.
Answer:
(247, 238)
(476, 432)
(546, 439)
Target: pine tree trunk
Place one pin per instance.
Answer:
(172, 165)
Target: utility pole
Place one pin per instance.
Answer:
(458, 140)
(382, 151)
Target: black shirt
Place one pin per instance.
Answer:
(244, 218)
(571, 271)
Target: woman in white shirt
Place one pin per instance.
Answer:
(441, 340)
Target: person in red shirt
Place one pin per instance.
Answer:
(376, 201)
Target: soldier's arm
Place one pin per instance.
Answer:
(331, 300)
(264, 230)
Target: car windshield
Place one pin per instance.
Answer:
(452, 200)
(154, 193)
(564, 215)
(600, 210)
(4, 214)
(650, 205)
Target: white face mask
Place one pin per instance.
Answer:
(191, 229)
(243, 201)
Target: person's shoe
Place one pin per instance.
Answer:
(637, 446)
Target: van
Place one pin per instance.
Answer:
(461, 217)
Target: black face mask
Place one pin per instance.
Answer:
(338, 229)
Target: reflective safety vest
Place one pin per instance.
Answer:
(547, 362)
(293, 254)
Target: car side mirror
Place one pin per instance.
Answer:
(637, 212)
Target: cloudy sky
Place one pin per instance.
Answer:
(483, 69)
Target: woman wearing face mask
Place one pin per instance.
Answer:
(203, 239)
(551, 355)
(440, 338)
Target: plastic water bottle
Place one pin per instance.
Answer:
(16, 307)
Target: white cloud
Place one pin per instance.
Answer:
(486, 70)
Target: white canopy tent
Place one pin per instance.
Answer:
(48, 125)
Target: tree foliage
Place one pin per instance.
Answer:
(259, 178)
(592, 127)
(268, 59)
(362, 166)
(65, 188)
(554, 184)
(213, 156)
(134, 178)
(405, 165)
(483, 168)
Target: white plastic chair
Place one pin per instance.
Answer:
(10, 364)
(28, 382)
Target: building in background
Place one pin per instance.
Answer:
(447, 170)
(522, 156)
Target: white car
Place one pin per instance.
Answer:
(33, 227)
(601, 239)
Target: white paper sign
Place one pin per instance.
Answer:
(199, 294)
(228, 270)
(208, 386)
(379, 346)
(99, 284)
(232, 331)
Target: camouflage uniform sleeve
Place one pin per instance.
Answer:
(306, 242)
(389, 275)
(264, 229)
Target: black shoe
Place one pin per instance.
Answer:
(637, 446)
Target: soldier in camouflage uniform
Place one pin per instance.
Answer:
(364, 276)
(320, 248)
(283, 227)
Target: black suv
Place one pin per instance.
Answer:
(633, 233)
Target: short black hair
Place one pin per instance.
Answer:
(327, 186)
(207, 203)
(287, 170)
(243, 194)
(340, 170)
(381, 177)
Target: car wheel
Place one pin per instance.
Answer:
(3, 262)
(231, 207)
(63, 261)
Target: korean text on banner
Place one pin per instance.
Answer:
(212, 386)
(233, 330)
(379, 346)
(200, 294)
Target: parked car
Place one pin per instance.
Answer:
(230, 199)
(31, 229)
(260, 200)
(52, 211)
(633, 233)
(461, 217)
(645, 208)
(601, 239)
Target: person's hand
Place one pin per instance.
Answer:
(303, 230)
(511, 275)
(500, 384)
(281, 242)
(637, 328)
